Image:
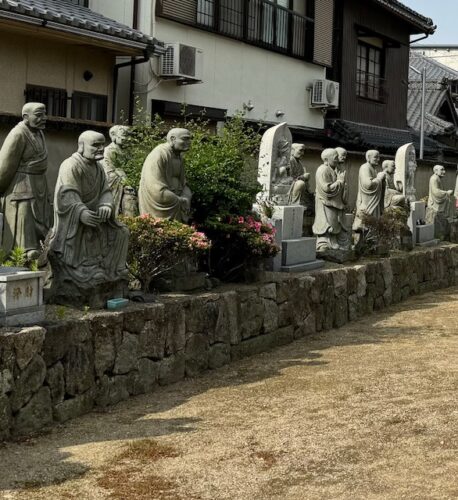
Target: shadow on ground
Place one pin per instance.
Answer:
(46, 459)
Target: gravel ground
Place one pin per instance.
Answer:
(365, 412)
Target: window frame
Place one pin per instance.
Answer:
(102, 97)
(378, 87)
(32, 88)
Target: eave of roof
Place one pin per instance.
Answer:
(422, 23)
(64, 16)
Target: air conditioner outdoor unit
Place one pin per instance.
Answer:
(325, 94)
(181, 63)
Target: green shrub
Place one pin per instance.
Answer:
(386, 229)
(158, 245)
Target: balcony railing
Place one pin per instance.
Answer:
(257, 22)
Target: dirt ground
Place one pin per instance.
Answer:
(369, 411)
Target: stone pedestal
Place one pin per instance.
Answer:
(421, 234)
(297, 254)
(21, 296)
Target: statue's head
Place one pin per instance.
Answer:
(439, 170)
(330, 157)
(91, 145)
(373, 157)
(34, 115)
(179, 139)
(297, 151)
(342, 155)
(118, 134)
(389, 166)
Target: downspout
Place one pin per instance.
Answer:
(132, 68)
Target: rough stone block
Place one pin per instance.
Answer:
(79, 369)
(61, 336)
(28, 382)
(219, 355)
(112, 390)
(134, 320)
(6, 418)
(27, 343)
(196, 355)
(270, 315)
(36, 414)
(172, 369)
(227, 329)
(128, 352)
(255, 345)
(56, 382)
(6, 381)
(74, 407)
(147, 377)
(284, 336)
(152, 338)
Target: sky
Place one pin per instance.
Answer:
(444, 13)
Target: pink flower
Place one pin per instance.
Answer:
(241, 220)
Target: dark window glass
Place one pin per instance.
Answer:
(84, 3)
(369, 76)
(89, 107)
(55, 100)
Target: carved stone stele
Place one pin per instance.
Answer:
(404, 175)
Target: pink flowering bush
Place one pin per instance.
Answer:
(158, 245)
(238, 243)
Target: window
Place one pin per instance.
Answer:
(369, 77)
(272, 24)
(89, 107)
(55, 100)
(84, 3)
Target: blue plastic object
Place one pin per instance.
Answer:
(117, 303)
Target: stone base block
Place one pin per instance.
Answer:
(454, 231)
(301, 268)
(430, 243)
(30, 316)
(339, 256)
(186, 283)
(425, 233)
(298, 251)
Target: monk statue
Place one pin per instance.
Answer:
(122, 194)
(300, 192)
(163, 192)
(441, 202)
(393, 190)
(24, 197)
(88, 246)
(329, 225)
(342, 167)
(370, 200)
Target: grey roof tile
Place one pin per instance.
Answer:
(425, 24)
(68, 14)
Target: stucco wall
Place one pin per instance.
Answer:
(57, 371)
(35, 61)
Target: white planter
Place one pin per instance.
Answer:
(21, 296)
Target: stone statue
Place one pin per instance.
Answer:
(404, 175)
(300, 192)
(329, 228)
(342, 167)
(115, 175)
(163, 191)
(274, 165)
(440, 201)
(393, 191)
(370, 198)
(24, 197)
(88, 247)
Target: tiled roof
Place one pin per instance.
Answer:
(65, 15)
(425, 24)
(437, 76)
(362, 136)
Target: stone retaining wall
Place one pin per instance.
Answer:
(59, 371)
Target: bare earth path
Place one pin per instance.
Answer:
(369, 411)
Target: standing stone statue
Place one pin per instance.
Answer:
(441, 202)
(393, 191)
(342, 167)
(24, 197)
(300, 192)
(88, 247)
(329, 227)
(370, 198)
(122, 194)
(163, 192)
(404, 175)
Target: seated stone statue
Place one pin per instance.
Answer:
(88, 247)
(24, 197)
(300, 192)
(370, 191)
(393, 193)
(440, 201)
(115, 175)
(329, 229)
(163, 192)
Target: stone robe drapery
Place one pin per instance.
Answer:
(24, 198)
(393, 197)
(115, 176)
(162, 184)
(329, 211)
(370, 195)
(438, 199)
(86, 255)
